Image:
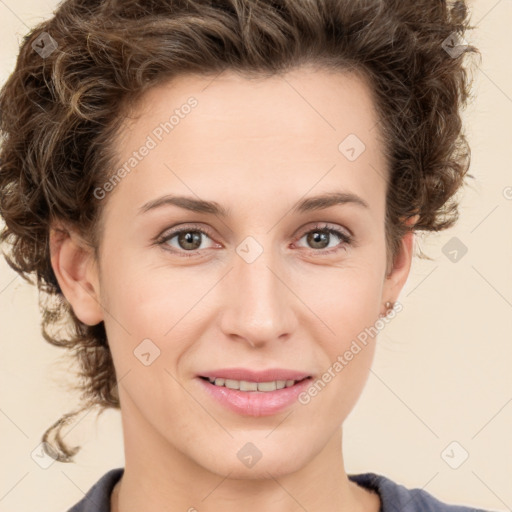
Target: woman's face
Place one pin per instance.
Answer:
(258, 289)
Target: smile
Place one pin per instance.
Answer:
(241, 397)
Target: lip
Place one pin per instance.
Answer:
(268, 375)
(255, 403)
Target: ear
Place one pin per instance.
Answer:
(397, 276)
(76, 271)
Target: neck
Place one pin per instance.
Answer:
(158, 476)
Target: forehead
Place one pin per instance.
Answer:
(308, 108)
(303, 129)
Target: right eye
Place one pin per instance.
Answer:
(188, 240)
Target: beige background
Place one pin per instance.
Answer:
(441, 371)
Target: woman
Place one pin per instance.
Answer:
(223, 196)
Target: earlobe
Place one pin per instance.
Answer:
(75, 268)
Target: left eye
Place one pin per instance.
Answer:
(320, 236)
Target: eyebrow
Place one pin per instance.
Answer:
(314, 203)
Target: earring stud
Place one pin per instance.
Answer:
(389, 305)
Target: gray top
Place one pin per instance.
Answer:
(394, 497)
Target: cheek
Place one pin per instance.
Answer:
(147, 300)
(346, 298)
(347, 347)
(347, 304)
(145, 331)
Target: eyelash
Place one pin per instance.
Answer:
(346, 239)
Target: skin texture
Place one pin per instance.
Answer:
(255, 147)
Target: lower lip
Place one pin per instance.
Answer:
(255, 403)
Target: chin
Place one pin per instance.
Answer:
(251, 460)
(262, 470)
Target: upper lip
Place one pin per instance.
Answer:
(255, 376)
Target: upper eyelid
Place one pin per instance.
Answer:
(171, 232)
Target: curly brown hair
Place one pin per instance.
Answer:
(62, 108)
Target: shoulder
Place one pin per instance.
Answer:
(97, 498)
(395, 496)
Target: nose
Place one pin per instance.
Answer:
(260, 308)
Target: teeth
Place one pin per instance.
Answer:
(231, 384)
(266, 386)
(244, 385)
